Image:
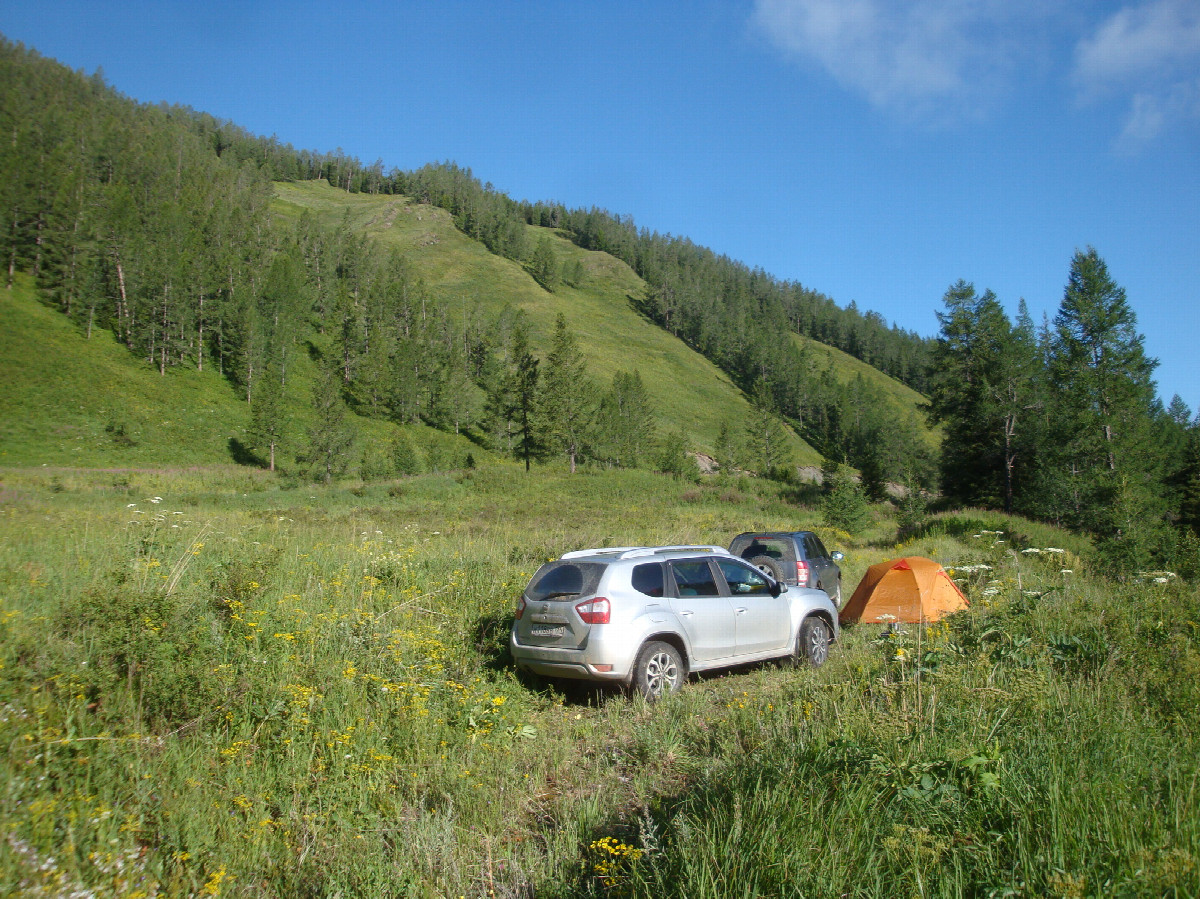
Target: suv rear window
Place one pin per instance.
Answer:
(558, 580)
(773, 547)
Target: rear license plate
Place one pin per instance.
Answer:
(559, 631)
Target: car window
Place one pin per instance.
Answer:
(820, 547)
(560, 580)
(694, 579)
(812, 547)
(648, 579)
(743, 580)
(773, 547)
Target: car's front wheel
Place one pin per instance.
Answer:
(812, 646)
(658, 671)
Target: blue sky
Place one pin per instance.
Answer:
(875, 150)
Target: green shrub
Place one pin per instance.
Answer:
(151, 654)
(844, 505)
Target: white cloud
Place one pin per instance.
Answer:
(1150, 54)
(1150, 113)
(1141, 42)
(924, 58)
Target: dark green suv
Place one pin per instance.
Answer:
(796, 558)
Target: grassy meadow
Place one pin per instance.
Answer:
(215, 683)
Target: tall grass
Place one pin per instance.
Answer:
(214, 686)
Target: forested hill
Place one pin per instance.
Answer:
(425, 297)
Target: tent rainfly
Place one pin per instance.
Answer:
(912, 589)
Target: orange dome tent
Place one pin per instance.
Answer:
(911, 589)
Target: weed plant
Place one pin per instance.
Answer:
(211, 685)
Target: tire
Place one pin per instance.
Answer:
(659, 670)
(812, 644)
(768, 566)
(836, 596)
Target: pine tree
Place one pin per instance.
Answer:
(332, 434)
(267, 422)
(1104, 399)
(844, 505)
(766, 436)
(404, 457)
(728, 448)
(626, 421)
(1189, 482)
(544, 265)
(673, 458)
(524, 374)
(567, 396)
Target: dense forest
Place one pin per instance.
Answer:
(155, 222)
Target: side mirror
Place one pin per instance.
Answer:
(837, 555)
(778, 587)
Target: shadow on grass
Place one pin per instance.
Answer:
(242, 454)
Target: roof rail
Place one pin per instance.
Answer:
(604, 551)
(634, 552)
(693, 548)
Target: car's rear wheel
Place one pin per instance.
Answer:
(812, 647)
(767, 565)
(658, 670)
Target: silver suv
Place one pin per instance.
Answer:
(645, 617)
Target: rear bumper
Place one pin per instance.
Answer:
(576, 664)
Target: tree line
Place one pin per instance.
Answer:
(1060, 420)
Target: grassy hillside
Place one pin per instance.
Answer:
(217, 687)
(70, 400)
(845, 368)
(73, 401)
(688, 391)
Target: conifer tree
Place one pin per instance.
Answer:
(1103, 400)
(766, 435)
(332, 434)
(404, 456)
(544, 265)
(626, 428)
(567, 396)
(844, 505)
(728, 448)
(673, 458)
(267, 422)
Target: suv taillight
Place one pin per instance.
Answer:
(594, 611)
(802, 574)
(520, 607)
